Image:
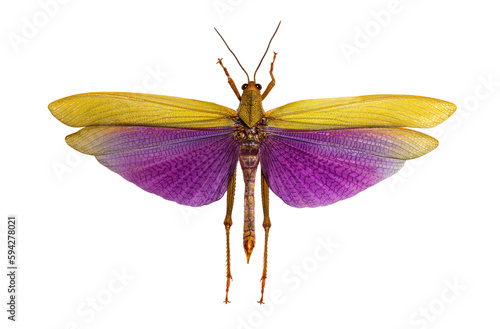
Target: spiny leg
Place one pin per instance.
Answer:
(230, 80)
(273, 82)
(267, 225)
(227, 223)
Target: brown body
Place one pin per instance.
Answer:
(251, 117)
(250, 113)
(249, 161)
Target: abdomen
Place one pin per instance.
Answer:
(249, 161)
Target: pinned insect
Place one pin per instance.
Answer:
(312, 152)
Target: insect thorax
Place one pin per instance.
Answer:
(251, 136)
(250, 110)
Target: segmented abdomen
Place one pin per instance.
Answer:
(249, 160)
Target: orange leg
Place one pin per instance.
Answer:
(273, 81)
(227, 223)
(267, 225)
(230, 80)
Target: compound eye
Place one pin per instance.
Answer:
(258, 86)
(245, 86)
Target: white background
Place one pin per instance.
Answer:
(401, 244)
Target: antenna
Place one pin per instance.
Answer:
(232, 53)
(266, 50)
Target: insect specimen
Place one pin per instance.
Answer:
(312, 152)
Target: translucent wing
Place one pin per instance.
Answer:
(189, 166)
(318, 168)
(131, 109)
(361, 111)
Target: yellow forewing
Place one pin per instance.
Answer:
(361, 111)
(122, 109)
